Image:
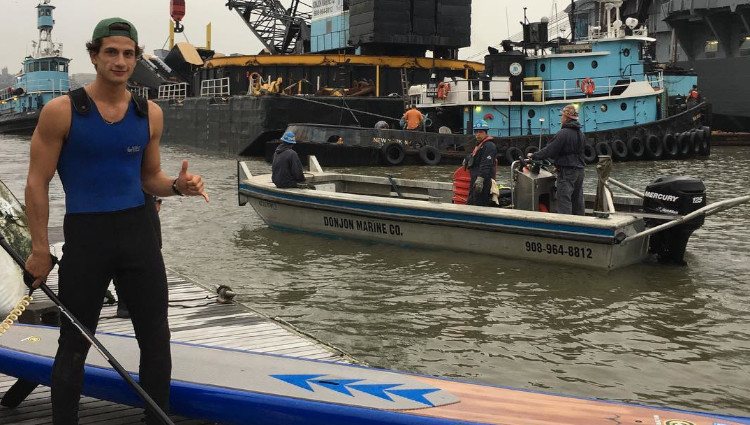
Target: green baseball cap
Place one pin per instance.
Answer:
(115, 26)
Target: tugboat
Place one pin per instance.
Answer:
(44, 77)
(628, 109)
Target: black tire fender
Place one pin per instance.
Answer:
(603, 149)
(697, 137)
(530, 149)
(619, 150)
(636, 147)
(430, 155)
(684, 141)
(513, 153)
(589, 153)
(670, 145)
(705, 149)
(653, 147)
(393, 153)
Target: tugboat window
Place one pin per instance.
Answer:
(45, 66)
(594, 64)
(626, 52)
(712, 46)
(531, 113)
(571, 65)
(603, 108)
(623, 106)
(542, 67)
(745, 47)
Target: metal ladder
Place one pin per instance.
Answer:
(405, 88)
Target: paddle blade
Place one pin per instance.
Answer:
(15, 229)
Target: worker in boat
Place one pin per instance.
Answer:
(104, 143)
(286, 169)
(694, 96)
(482, 165)
(566, 150)
(413, 119)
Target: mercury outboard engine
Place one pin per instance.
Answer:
(673, 195)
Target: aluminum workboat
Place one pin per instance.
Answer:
(617, 230)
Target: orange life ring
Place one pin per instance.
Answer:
(587, 86)
(443, 89)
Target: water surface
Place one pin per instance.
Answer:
(676, 336)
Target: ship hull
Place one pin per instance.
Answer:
(243, 124)
(721, 82)
(19, 123)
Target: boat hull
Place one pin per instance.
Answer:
(19, 123)
(367, 146)
(542, 237)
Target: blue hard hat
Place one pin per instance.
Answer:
(481, 125)
(288, 137)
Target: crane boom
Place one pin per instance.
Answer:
(281, 30)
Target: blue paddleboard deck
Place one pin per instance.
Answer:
(239, 387)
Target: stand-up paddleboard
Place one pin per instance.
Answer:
(14, 228)
(241, 387)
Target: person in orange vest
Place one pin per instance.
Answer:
(413, 118)
(694, 94)
(694, 97)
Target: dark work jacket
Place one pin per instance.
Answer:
(566, 149)
(286, 169)
(483, 163)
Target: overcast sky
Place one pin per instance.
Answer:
(75, 20)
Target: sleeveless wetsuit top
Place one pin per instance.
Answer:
(100, 163)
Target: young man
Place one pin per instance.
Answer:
(286, 169)
(566, 149)
(104, 143)
(482, 165)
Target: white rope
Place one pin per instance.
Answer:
(12, 287)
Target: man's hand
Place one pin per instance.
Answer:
(190, 184)
(39, 264)
(479, 185)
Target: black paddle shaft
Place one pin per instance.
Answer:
(29, 280)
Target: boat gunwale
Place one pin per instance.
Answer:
(601, 230)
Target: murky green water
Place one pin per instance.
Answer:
(650, 334)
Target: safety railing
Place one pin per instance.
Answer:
(573, 89)
(52, 86)
(176, 91)
(140, 91)
(539, 90)
(218, 87)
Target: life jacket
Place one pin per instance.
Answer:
(96, 153)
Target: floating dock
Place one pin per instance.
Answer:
(194, 317)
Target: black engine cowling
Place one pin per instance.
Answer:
(673, 195)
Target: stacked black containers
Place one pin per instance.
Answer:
(410, 27)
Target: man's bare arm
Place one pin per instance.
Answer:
(46, 144)
(153, 178)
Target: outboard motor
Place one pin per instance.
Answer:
(673, 195)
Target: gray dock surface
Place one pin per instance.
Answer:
(195, 317)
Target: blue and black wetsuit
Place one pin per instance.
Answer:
(108, 233)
